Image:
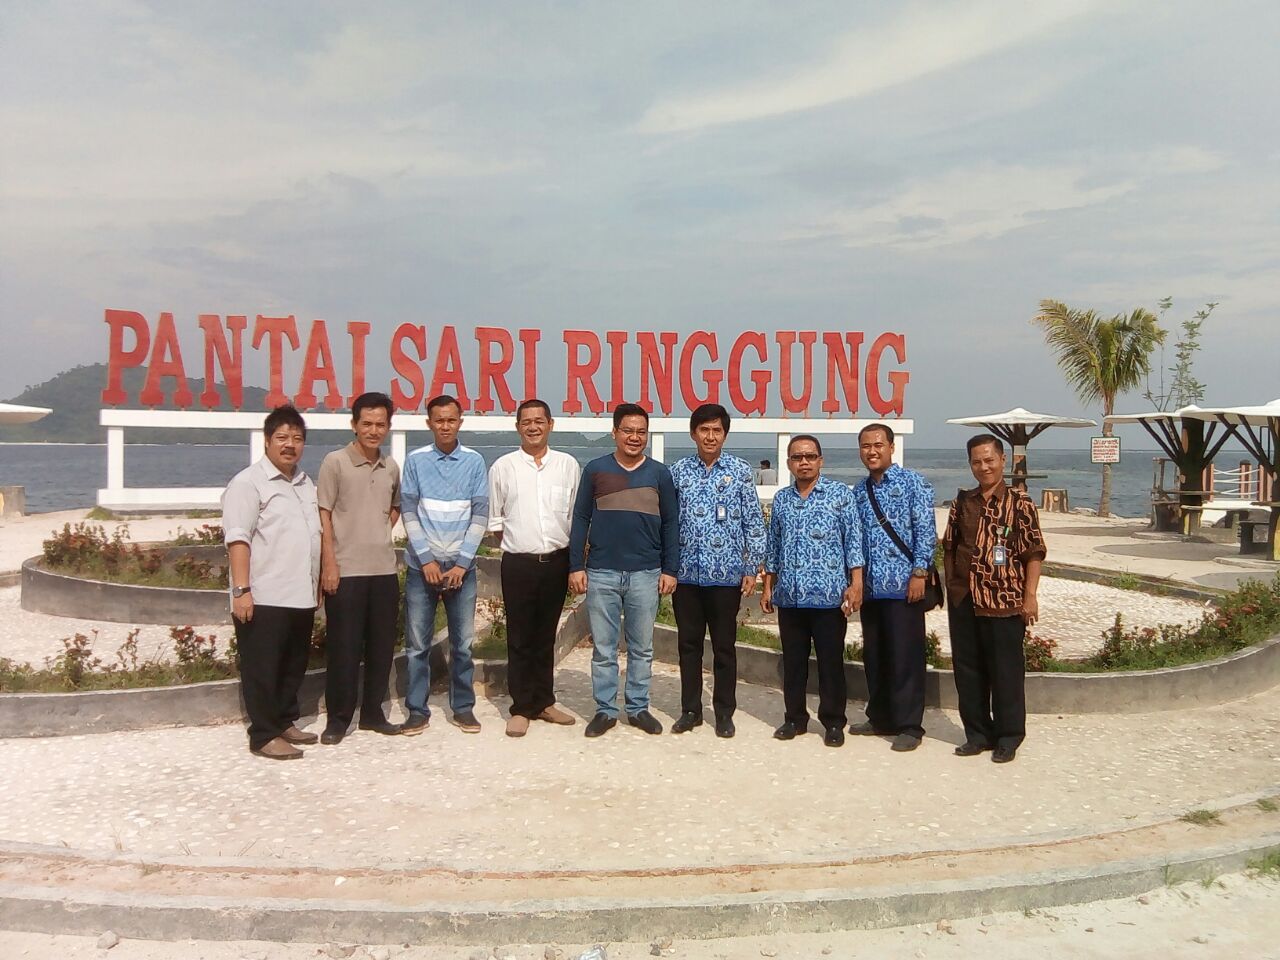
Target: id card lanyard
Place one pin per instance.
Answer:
(1000, 552)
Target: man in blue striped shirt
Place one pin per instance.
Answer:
(444, 492)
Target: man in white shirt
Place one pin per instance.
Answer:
(531, 494)
(272, 530)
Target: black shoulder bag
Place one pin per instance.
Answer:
(934, 595)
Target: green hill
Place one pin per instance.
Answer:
(75, 396)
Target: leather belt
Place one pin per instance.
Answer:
(538, 557)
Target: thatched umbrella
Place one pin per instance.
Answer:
(1190, 443)
(1018, 427)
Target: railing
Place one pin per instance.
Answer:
(118, 496)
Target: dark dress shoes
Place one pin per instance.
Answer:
(834, 736)
(687, 722)
(333, 737)
(1003, 754)
(384, 727)
(789, 731)
(970, 748)
(600, 724)
(725, 727)
(646, 721)
(416, 724)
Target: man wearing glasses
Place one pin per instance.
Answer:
(813, 576)
(624, 552)
(895, 506)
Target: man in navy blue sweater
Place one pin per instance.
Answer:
(624, 553)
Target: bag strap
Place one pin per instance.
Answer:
(885, 525)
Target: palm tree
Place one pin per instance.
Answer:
(1101, 358)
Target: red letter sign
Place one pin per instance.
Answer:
(898, 378)
(118, 357)
(577, 374)
(275, 329)
(229, 359)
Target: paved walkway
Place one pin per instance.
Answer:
(555, 799)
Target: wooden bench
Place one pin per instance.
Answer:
(1247, 542)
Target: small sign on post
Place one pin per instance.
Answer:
(1104, 449)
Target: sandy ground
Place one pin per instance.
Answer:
(1234, 916)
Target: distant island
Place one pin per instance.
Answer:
(75, 396)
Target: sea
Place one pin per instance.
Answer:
(67, 476)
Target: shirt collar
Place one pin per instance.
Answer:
(999, 493)
(892, 471)
(451, 455)
(358, 458)
(272, 472)
(819, 487)
(529, 458)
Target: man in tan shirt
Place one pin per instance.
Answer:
(359, 499)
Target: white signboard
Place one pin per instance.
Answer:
(1104, 449)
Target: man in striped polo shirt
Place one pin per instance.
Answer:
(444, 492)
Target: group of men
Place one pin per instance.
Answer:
(626, 531)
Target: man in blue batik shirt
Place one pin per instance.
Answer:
(722, 543)
(813, 576)
(892, 618)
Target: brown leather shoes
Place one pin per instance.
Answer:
(554, 714)
(298, 737)
(517, 726)
(279, 749)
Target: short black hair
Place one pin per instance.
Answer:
(706, 413)
(804, 436)
(442, 401)
(981, 440)
(371, 401)
(628, 410)
(888, 431)
(285, 415)
(529, 404)
(766, 464)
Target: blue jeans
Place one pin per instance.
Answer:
(629, 596)
(420, 600)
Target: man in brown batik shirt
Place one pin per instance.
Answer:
(993, 552)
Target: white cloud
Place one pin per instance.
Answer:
(922, 40)
(979, 203)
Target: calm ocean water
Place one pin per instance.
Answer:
(67, 476)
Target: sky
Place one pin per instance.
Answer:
(930, 168)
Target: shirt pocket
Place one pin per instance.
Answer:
(558, 499)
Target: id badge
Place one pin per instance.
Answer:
(722, 513)
(999, 555)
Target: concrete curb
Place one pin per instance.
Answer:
(199, 704)
(60, 595)
(1240, 675)
(1158, 586)
(63, 911)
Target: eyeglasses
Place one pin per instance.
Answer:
(633, 431)
(805, 457)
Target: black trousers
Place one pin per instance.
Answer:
(893, 655)
(273, 650)
(823, 630)
(698, 609)
(533, 592)
(990, 670)
(361, 627)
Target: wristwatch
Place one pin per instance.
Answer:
(239, 591)
(920, 572)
